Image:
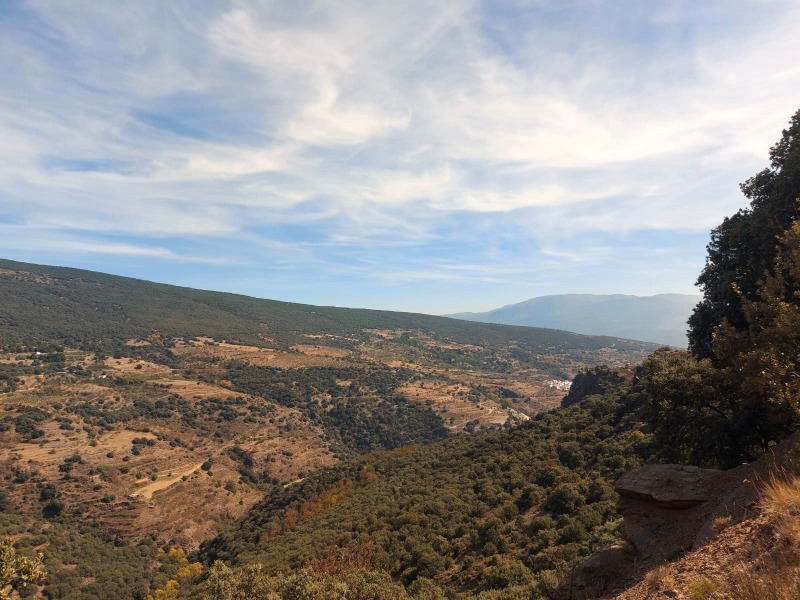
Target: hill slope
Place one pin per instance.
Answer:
(77, 307)
(660, 319)
(502, 510)
(135, 413)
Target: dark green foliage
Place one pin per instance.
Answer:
(246, 465)
(95, 311)
(84, 563)
(162, 408)
(47, 492)
(26, 423)
(701, 416)
(357, 584)
(53, 508)
(735, 397)
(565, 499)
(743, 248)
(763, 357)
(362, 416)
(592, 381)
(70, 462)
(482, 511)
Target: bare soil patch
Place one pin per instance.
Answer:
(14, 359)
(314, 350)
(138, 368)
(147, 491)
(311, 355)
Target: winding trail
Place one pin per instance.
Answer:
(147, 491)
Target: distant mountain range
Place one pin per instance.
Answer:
(661, 318)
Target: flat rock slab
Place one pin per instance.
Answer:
(669, 486)
(665, 506)
(669, 509)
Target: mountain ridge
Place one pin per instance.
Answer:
(660, 318)
(113, 306)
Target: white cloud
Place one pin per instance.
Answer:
(123, 249)
(361, 123)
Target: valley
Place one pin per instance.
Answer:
(124, 439)
(166, 440)
(399, 300)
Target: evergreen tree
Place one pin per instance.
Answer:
(738, 392)
(764, 355)
(743, 248)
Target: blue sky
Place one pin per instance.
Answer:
(425, 156)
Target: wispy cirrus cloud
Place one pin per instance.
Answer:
(543, 146)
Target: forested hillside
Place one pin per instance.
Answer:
(86, 309)
(138, 419)
(492, 511)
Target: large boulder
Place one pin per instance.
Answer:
(666, 506)
(668, 486)
(668, 509)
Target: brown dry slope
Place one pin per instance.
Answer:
(155, 440)
(755, 559)
(126, 453)
(709, 571)
(746, 548)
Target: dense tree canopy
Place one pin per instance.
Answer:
(763, 356)
(743, 248)
(492, 511)
(739, 390)
(703, 415)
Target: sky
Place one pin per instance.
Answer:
(435, 156)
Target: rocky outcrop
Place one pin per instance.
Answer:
(601, 573)
(668, 510)
(666, 507)
(668, 486)
(597, 380)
